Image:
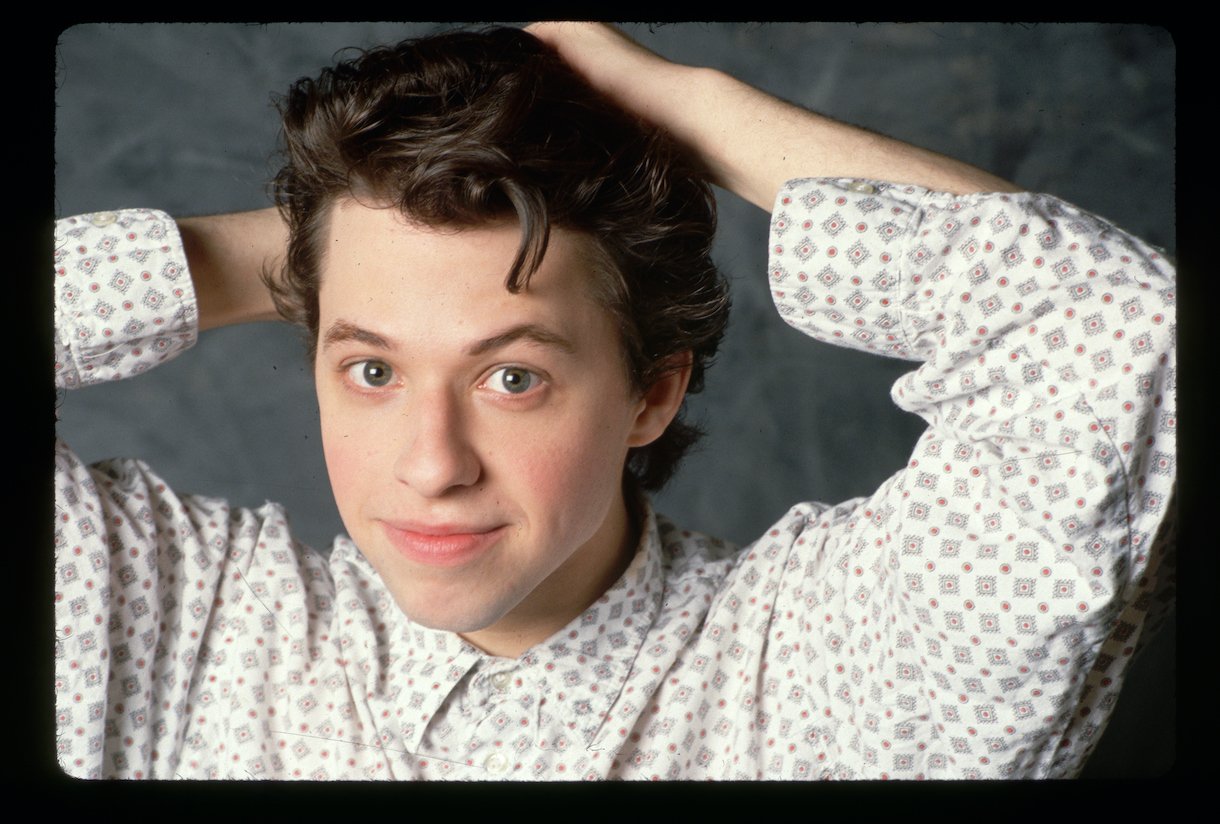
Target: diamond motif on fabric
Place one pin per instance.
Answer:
(805, 248)
(1099, 252)
(120, 281)
(1081, 291)
(171, 271)
(812, 199)
(1064, 269)
(857, 253)
(857, 301)
(153, 299)
(969, 247)
(1012, 256)
(920, 254)
(889, 231)
(833, 224)
(828, 277)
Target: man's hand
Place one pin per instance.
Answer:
(226, 255)
(612, 63)
(750, 142)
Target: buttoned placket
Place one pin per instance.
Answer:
(422, 669)
(498, 690)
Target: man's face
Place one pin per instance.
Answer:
(475, 438)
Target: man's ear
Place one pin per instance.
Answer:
(661, 401)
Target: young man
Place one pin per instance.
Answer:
(514, 608)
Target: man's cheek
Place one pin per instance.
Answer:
(575, 477)
(346, 464)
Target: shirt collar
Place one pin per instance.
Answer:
(585, 665)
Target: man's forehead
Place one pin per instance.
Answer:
(380, 265)
(357, 226)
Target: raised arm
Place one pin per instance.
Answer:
(124, 300)
(751, 142)
(1015, 559)
(226, 255)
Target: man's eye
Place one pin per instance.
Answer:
(371, 374)
(511, 380)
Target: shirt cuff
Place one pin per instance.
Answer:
(835, 257)
(124, 300)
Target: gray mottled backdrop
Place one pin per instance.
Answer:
(179, 117)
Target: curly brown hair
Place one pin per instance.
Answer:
(466, 127)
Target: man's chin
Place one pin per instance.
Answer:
(448, 616)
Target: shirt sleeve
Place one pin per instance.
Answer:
(141, 573)
(1012, 558)
(123, 296)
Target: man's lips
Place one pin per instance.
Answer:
(441, 544)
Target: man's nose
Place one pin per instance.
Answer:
(437, 455)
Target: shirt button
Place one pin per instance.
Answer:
(103, 218)
(500, 681)
(862, 187)
(496, 763)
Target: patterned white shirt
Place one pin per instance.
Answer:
(972, 618)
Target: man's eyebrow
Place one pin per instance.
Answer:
(342, 331)
(525, 331)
